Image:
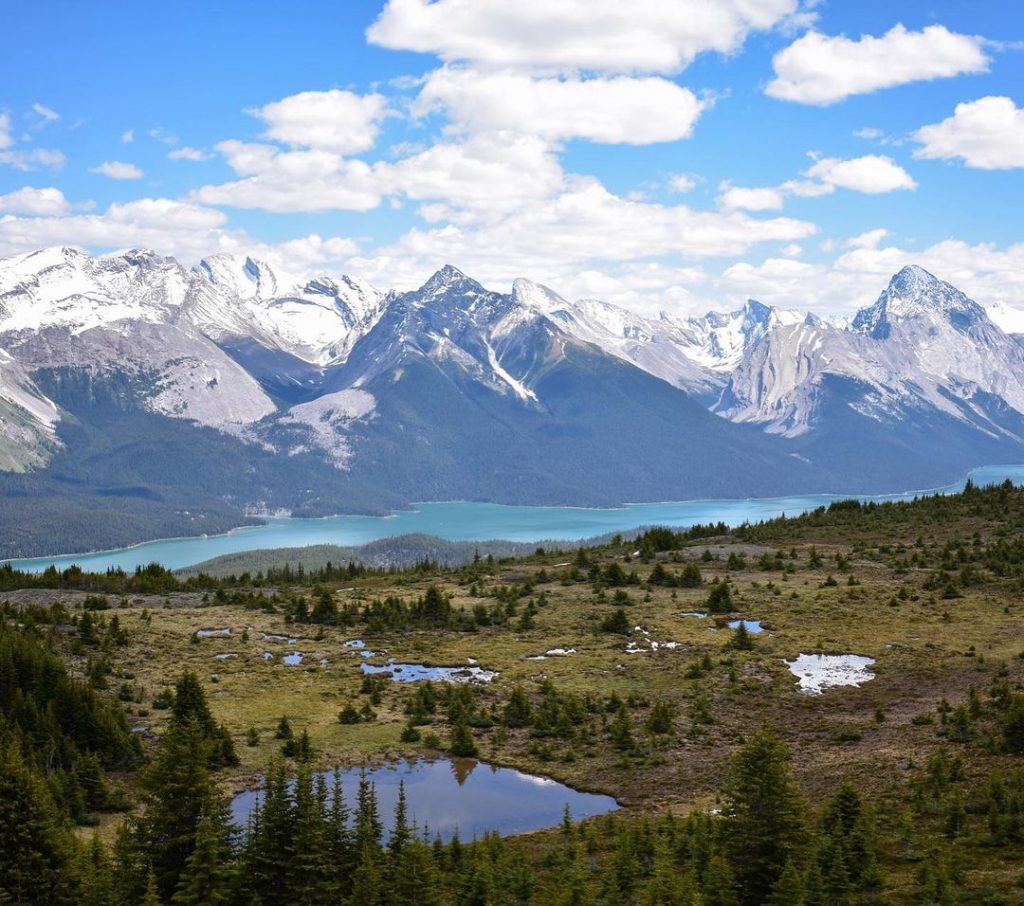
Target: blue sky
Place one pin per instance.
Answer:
(678, 157)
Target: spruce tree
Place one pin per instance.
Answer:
(177, 790)
(764, 816)
(35, 846)
(207, 877)
(718, 887)
(789, 889)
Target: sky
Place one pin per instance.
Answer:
(664, 155)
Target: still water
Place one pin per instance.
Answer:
(464, 521)
(460, 794)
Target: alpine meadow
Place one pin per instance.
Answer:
(553, 453)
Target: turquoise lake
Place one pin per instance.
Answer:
(475, 522)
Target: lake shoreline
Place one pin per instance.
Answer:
(447, 521)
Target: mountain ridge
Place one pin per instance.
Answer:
(453, 390)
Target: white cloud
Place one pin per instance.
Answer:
(292, 181)
(987, 134)
(5, 131)
(481, 178)
(48, 201)
(337, 121)
(573, 35)
(185, 230)
(587, 227)
(187, 153)
(988, 274)
(822, 69)
(45, 112)
(872, 174)
(681, 183)
(624, 110)
(117, 169)
(33, 159)
(128, 136)
(750, 199)
(869, 240)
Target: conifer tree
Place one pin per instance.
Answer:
(789, 889)
(207, 877)
(462, 744)
(310, 874)
(719, 884)
(267, 855)
(152, 894)
(35, 847)
(415, 880)
(764, 816)
(95, 876)
(339, 838)
(177, 790)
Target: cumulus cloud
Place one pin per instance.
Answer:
(117, 169)
(28, 200)
(750, 199)
(292, 181)
(184, 229)
(6, 140)
(987, 273)
(128, 136)
(588, 227)
(187, 153)
(571, 35)
(987, 134)
(481, 178)
(872, 174)
(870, 239)
(822, 69)
(339, 121)
(624, 110)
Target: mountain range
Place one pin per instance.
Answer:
(139, 397)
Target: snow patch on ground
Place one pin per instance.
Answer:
(818, 672)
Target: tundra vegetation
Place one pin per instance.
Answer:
(126, 723)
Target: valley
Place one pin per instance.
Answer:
(120, 374)
(618, 669)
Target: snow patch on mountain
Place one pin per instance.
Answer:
(28, 419)
(922, 344)
(1009, 319)
(328, 419)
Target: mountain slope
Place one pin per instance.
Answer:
(922, 347)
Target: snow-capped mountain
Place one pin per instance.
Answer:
(923, 345)
(456, 391)
(695, 354)
(28, 420)
(317, 320)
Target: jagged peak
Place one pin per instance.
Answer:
(536, 295)
(914, 292)
(447, 278)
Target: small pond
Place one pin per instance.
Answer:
(753, 626)
(416, 673)
(818, 672)
(461, 794)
